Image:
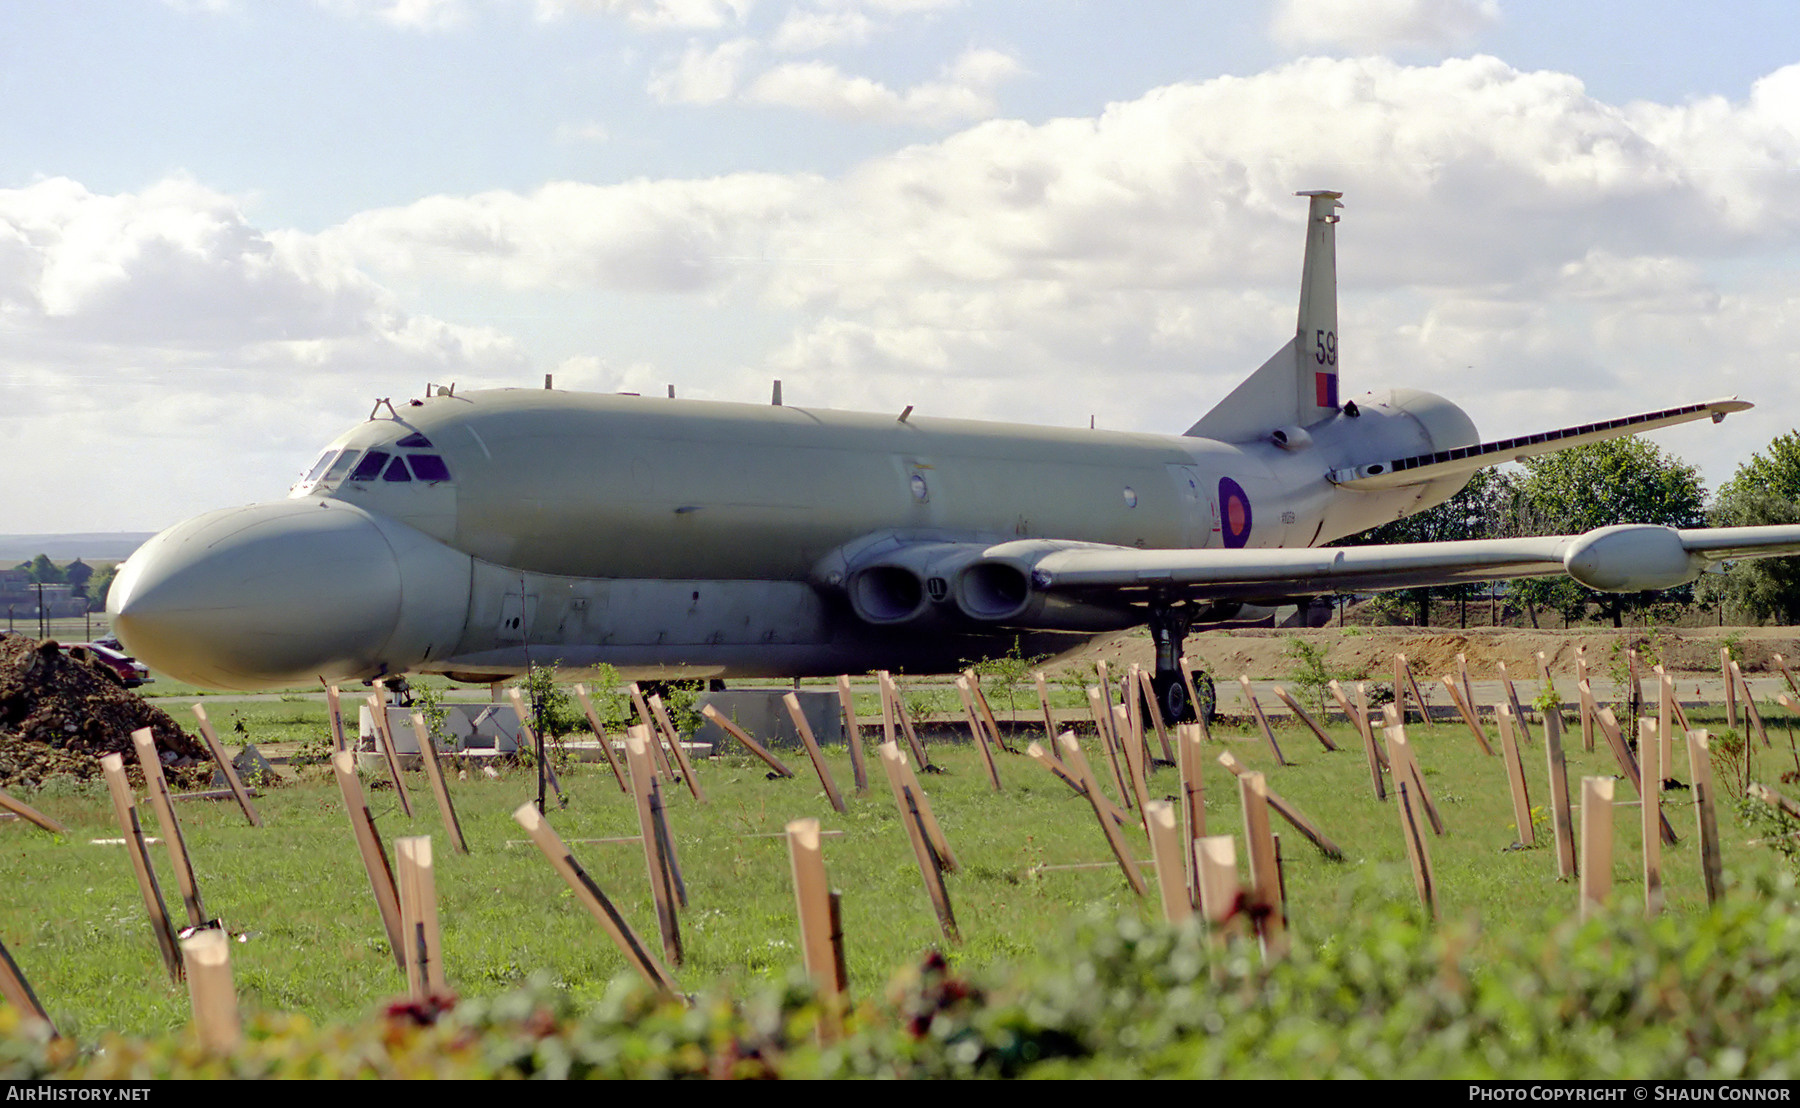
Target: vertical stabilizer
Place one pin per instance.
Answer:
(1299, 385)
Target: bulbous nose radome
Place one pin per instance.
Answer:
(261, 596)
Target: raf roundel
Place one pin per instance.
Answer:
(1234, 513)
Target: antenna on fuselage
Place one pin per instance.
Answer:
(775, 397)
(671, 392)
(547, 381)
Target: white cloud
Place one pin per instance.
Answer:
(692, 15)
(412, 15)
(966, 92)
(1378, 26)
(704, 75)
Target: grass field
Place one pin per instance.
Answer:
(312, 941)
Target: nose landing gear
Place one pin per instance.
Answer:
(1168, 629)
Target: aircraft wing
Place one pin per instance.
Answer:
(1625, 558)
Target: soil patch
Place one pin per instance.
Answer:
(61, 711)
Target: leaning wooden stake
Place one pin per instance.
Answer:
(594, 900)
(1561, 818)
(210, 990)
(1650, 809)
(1774, 800)
(1466, 710)
(1403, 669)
(1265, 879)
(1515, 777)
(225, 767)
(646, 787)
(927, 819)
(1043, 691)
(1731, 708)
(912, 817)
(1706, 818)
(1171, 867)
(978, 732)
(1418, 848)
(1512, 700)
(1134, 763)
(859, 773)
(750, 744)
(1148, 685)
(1073, 778)
(892, 703)
(1305, 717)
(1108, 826)
(1587, 699)
(667, 726)
(1405, 761)
(1596, 843)
(374, 858)
(1787, 674)
(1609, 730)
(642, 708)
(1193, 808)
(1219, 889)
(434, 773)
(334, 715)
(798, 715)
(986, 711)
(1755, 717)
(1103, 725)
(417, 886)
(605, 744)
(812, 901)
(158, 787)
(1286, 810)
(15, 990)
(1187, 677)
(26, 812)
(1371, 749)
(125, 808)
(378, 715)
(1261, 720)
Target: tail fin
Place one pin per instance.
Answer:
(1299, 385)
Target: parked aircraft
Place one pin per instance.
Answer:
(475, 534)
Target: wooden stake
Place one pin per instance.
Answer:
(1596, 843)
(1219, 889)
(667, 726)
(1650, 811)
(1609, 730)
(642, 708)
(378, 715)
(1072, 777)
(1774, 800)
(145, 744)
(1371, 750)
(1166, 854)
(594, 900)
(646, 787)
(1731, 709)
(1187, 676)
(374, 858)
(1462, 676)
(934, 834)
(27, 812)
(1418, 850)
(1072, 752)
(1134, 763)
(898, 707)
(1512, 700)
(798, 715)
(1265, 880)
(1261, 720)
(1515, 777)
(986, 712)
(931, 864)
(334, 715)
(812, 901)
(600, 739)
(1043, 691)
(1587, 699)
(434, 774)
(1707, 820)
(750, 744)
(126, 811)
(1755, 717)
(978, 732)
(207, 955)
(15, 990)
(1286, 810)
(1303, 716)
(419, 917)
(1561, 819)
(1156, 716)
(852, 735)
(528, 739)
(1787, 674)
(1465, 709)
(1404, 669)
(1103, 726)
(1193, 796)
(226, 768)
(1405, 762)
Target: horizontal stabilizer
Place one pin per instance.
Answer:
(1421, 468)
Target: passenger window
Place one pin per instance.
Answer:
(370, 467)
(397, 471)
(430, 467)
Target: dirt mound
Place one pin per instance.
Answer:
(60, 712)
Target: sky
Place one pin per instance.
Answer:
(227, 227)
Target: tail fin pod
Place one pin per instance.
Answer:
(1299, 385)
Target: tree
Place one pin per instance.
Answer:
(1624, 480)
(43, 571)
(1477, 511)
(1764, 490)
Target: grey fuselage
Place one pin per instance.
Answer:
(702, 539)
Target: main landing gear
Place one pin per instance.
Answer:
(1168, 628)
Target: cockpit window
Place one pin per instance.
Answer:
(341, 466)
(414, 441)
(397, 471)
(318, 468)
(371, 466)
(429, 467)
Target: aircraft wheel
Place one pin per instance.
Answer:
(1177, 706)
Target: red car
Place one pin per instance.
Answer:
(131, 671)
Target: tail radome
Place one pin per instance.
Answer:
(1297, 387)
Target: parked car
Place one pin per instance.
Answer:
(131, 671)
